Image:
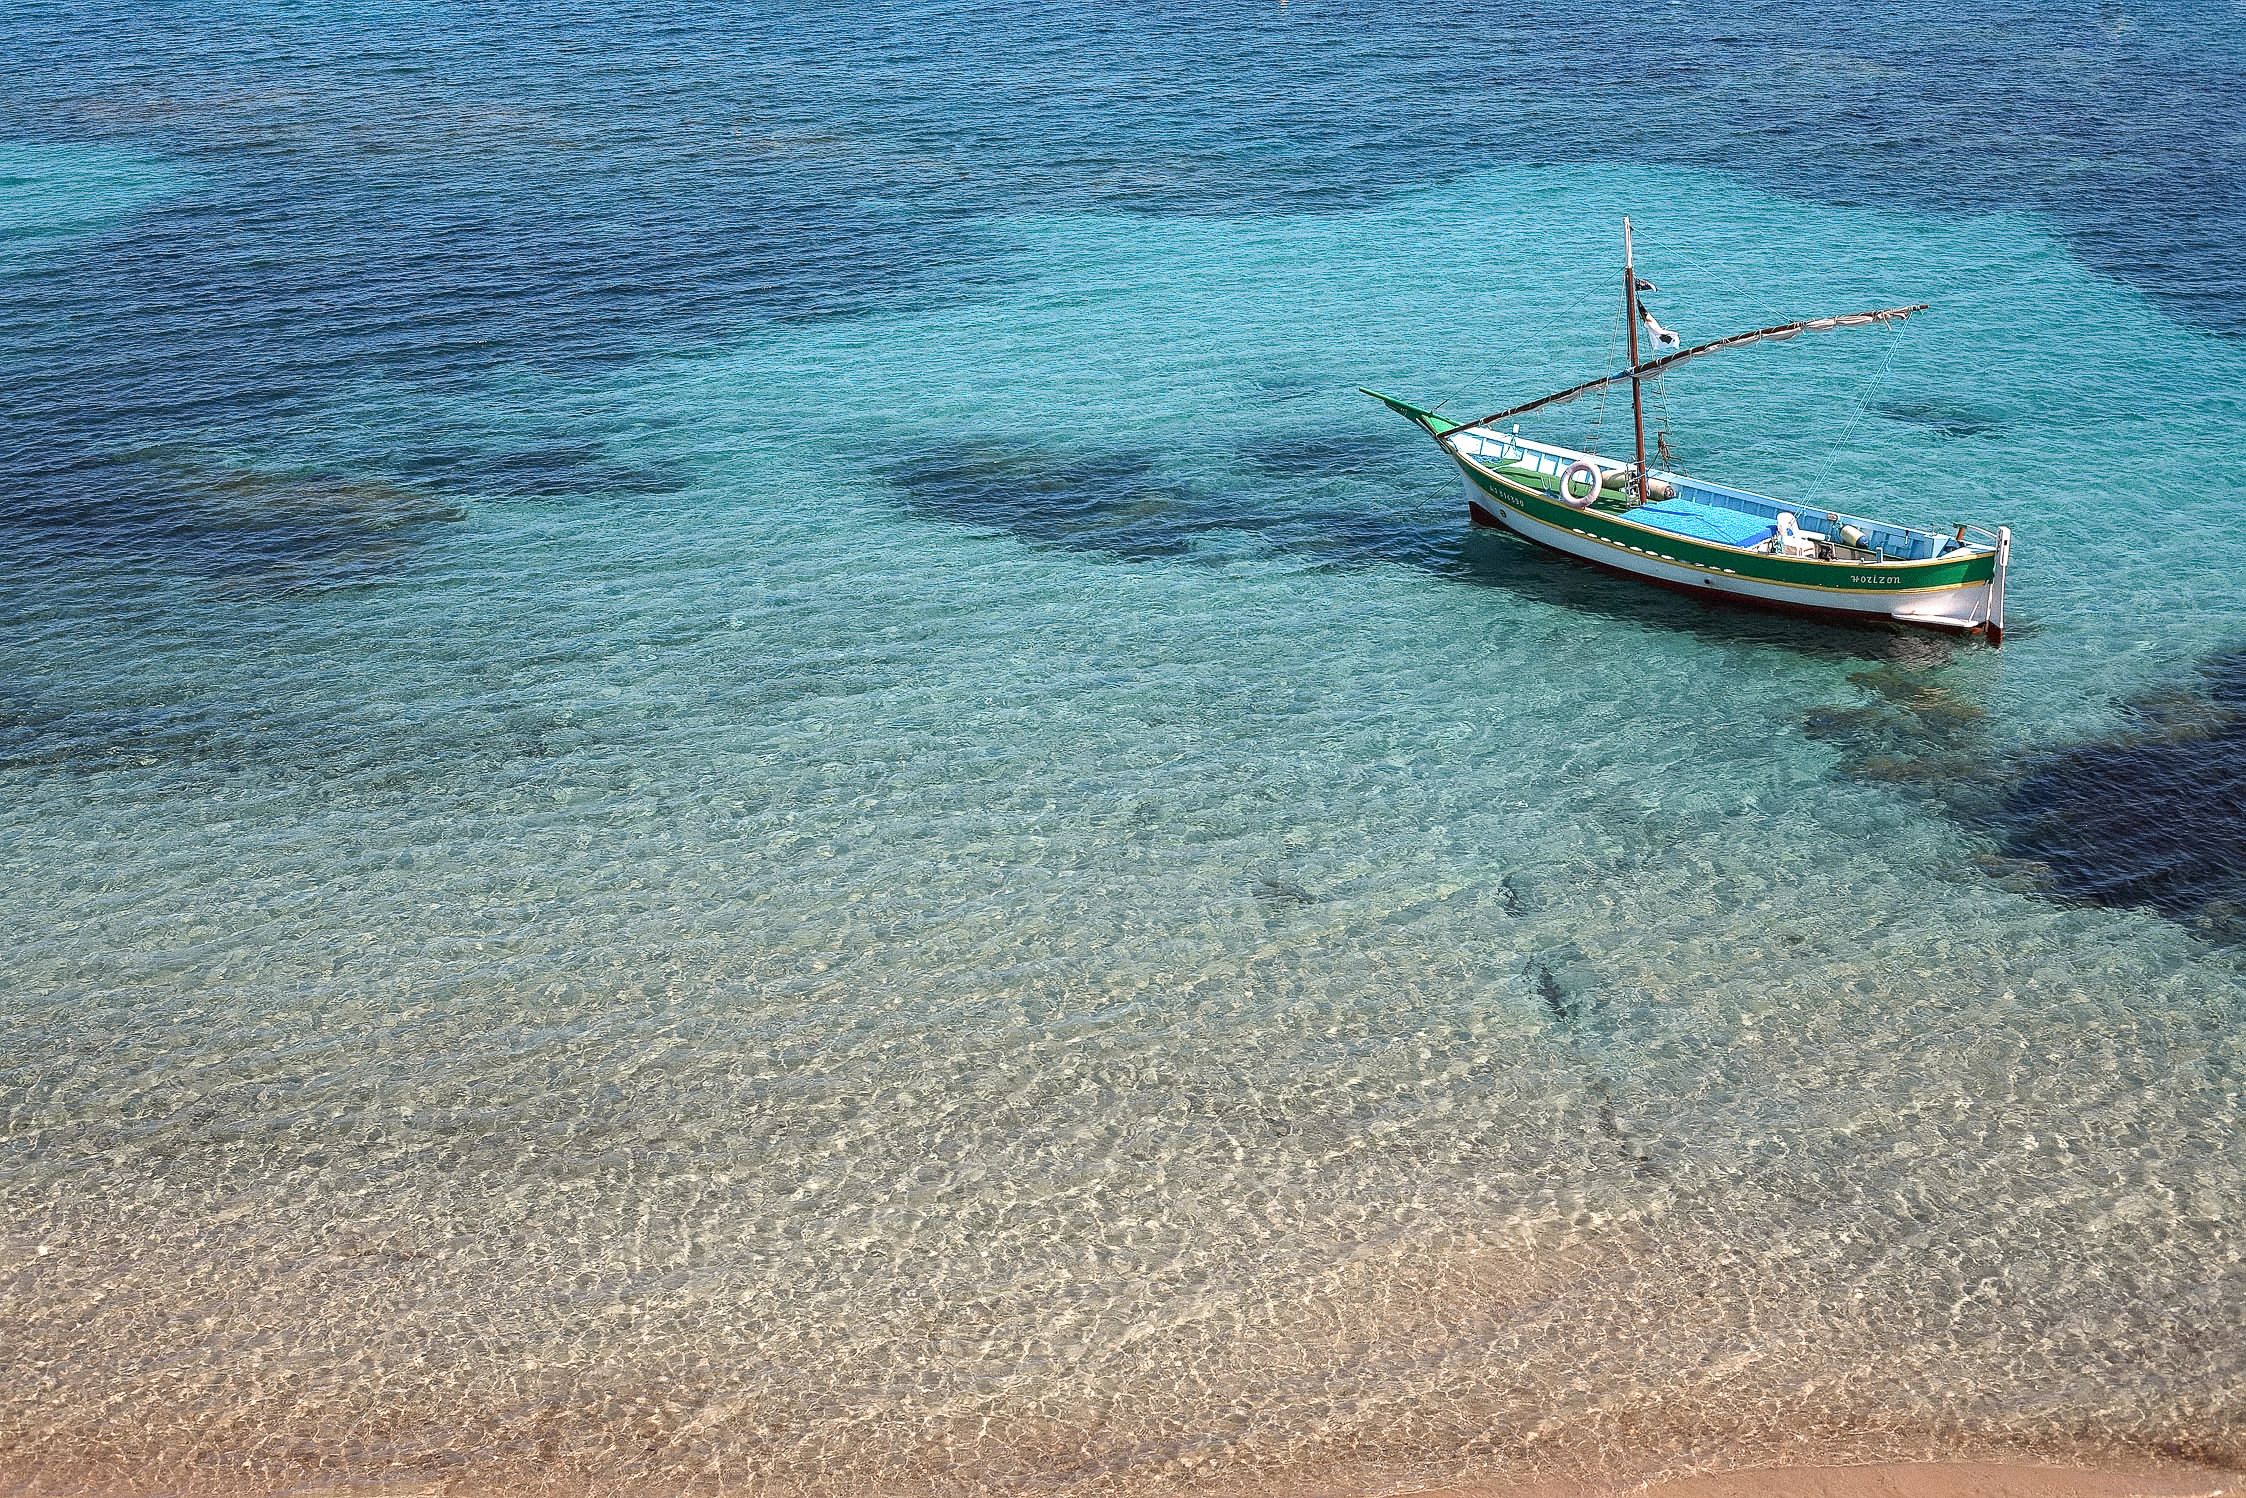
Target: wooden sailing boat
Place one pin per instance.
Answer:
(1706, 538)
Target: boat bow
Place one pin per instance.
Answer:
(1423, 417)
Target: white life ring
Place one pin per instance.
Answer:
(1567, 493)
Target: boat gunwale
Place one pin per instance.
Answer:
(1902, 587)
(1616, 467)
(1964, 553)
(1801, 607)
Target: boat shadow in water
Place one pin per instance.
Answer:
(1498, 558)
(2146, 818)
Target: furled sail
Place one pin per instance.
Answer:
(1667, 362)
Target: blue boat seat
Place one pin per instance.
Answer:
(1703, 522)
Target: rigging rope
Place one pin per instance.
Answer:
(1863, 403)
(1664, 453)
(1616, 332)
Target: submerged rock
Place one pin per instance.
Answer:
(1567, 987)
(2023, 876)
(1913, 733)
(1565, 984)
(2150, 817)
(246, 525)
(1280, 893)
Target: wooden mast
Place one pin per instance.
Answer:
(1630, 320)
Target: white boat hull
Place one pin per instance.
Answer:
(1962, 609)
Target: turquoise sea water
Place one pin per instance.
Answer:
(731, 764)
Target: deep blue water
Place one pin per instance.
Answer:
(729, 759)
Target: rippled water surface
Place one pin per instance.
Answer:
(729, 762)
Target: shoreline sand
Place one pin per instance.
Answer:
(1929, 1479)
(1922, 1478)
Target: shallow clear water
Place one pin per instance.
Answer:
(731, 763)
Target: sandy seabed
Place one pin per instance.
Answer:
(1895, 1480)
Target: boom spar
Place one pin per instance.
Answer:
(1638, 372)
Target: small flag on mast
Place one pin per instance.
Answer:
(1663, 339)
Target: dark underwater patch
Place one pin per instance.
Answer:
(1128, 506)
(554, 470)
(1941, 417)
(1912, 732)
(2153, 817)
(1567, 988)
(245, 525)
(255, 527)
(1325, 454)
(1114, 503)
(1554, 995)
(1280, 894)
(36, 735)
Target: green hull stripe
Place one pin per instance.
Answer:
(1867, 579)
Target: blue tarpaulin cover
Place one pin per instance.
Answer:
(1688, 517)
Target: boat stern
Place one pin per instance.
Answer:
(1995, 626)
(1975, 610)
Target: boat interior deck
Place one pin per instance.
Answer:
(1701, 521)
(1703, 511)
